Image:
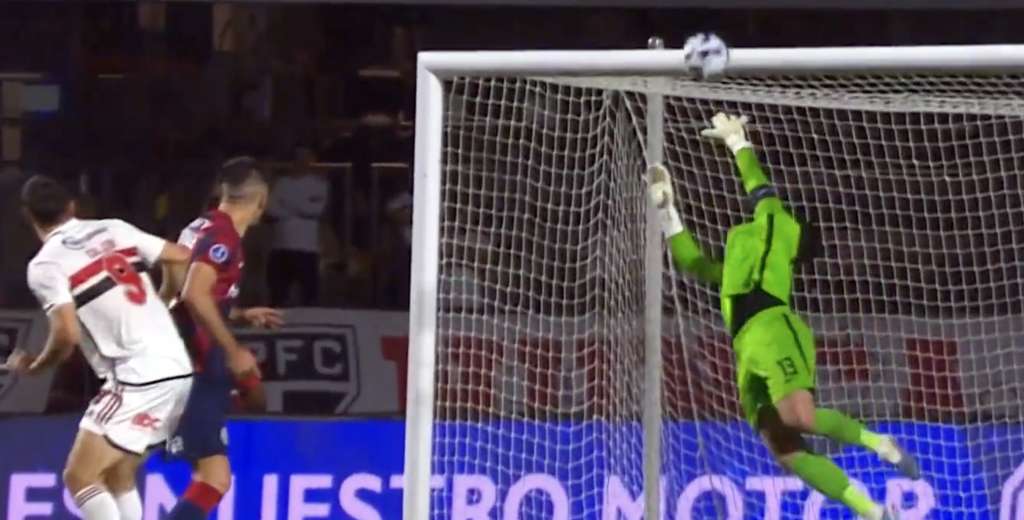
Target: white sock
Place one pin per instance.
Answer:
(887, 450)
(95, 503)
(130, 505)
(877, 514)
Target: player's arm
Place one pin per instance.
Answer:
(766, 202)
(174, 264)
(172, 281)
(172, 257)
(52, 288)
(65, 334)
(687, 255)
(173, 253)
(260, 317)
(197, 296)
(731, 130)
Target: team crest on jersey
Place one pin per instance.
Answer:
(307, 368)
(219, 253)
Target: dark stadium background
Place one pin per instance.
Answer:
(152, 96)
(134, 106)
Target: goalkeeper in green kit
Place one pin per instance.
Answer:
(774, 347)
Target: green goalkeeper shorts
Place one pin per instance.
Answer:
(774, 357)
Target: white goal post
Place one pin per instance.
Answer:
(513, 243)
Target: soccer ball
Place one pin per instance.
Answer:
(706, 55)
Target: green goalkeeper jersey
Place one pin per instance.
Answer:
(757, 271)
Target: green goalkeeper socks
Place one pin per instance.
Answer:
(840, 427)
(823, 475)
(862, 504)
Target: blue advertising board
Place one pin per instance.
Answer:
(299, 469)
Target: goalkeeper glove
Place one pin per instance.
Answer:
(730, 130)
(659, 190)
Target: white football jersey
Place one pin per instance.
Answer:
(100, 266)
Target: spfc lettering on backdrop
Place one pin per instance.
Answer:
(307, 368)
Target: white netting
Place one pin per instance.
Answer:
(915, 183)
(541, 300)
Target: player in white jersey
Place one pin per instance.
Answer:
(90, 278)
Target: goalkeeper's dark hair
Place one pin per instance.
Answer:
(238, 176)
(811, 246)
(45, 200)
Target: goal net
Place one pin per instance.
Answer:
(915, 184)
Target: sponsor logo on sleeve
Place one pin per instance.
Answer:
(219, 253)
(79, 242)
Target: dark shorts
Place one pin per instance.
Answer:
(202, 431)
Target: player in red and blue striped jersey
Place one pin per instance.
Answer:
(206, 304)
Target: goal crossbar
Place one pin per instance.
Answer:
(750, 61)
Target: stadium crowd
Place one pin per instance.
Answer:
(153, 97)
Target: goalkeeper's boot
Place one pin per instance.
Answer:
(892, 452)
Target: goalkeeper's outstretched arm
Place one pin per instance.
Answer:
(731, 131)
(687, 255)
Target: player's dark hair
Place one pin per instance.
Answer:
(811, 246)
(45, 200)
(238, 176)
(239, 170)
